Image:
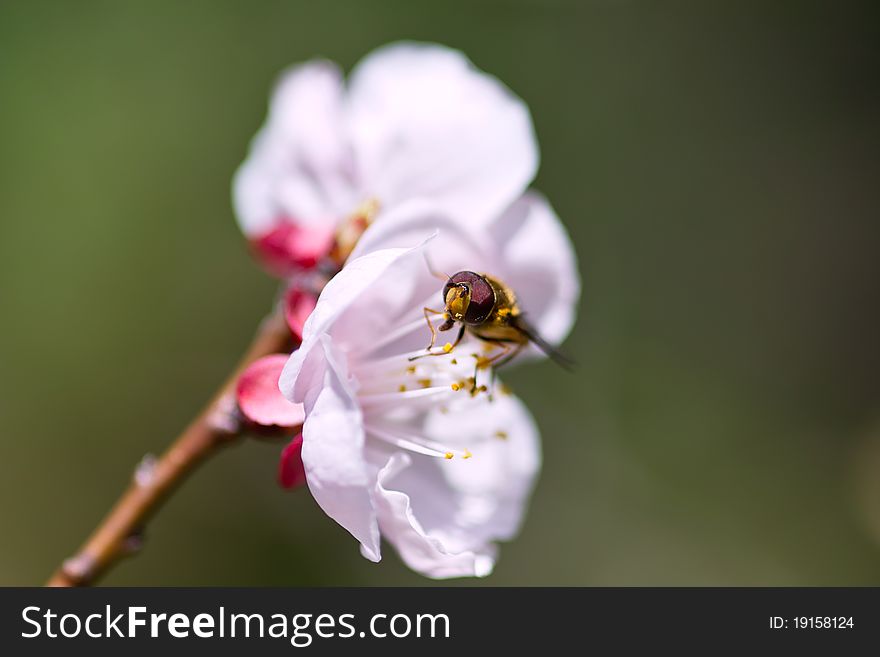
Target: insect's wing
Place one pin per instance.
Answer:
(552, 352)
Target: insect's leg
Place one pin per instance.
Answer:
(503, 359)
(487, 363)
(429, 311)
(457, 339)
(499, 360)
(445, 350)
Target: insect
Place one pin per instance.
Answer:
(486, 308)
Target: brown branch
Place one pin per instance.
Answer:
(218, 425)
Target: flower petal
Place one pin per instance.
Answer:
(290, 247)
(494, 485)
(539, 264)
(259, 398)
(426, 123)
(291, 472)
(455, 244)
(333, 450)
(344, 291)
(443, 516)
(419, 550)
(299, 168)
(298, 305)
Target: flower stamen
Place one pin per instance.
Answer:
(414, 443)
(387, 399)
(397, 334)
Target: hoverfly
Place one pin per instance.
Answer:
(487, 309)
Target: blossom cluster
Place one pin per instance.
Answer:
(356, 193)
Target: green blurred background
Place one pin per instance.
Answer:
(718, 170)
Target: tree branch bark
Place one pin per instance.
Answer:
(218, 425)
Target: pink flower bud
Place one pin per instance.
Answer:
(290, 247)
(291, 473)
(259, 398)
(298, 305)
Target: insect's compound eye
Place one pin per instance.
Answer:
(478, 298)
(482, 302)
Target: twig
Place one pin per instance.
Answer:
(218, 425)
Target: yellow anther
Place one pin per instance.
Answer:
(448, 455)
(467, 454)
(411, 369)
(477, 390)
(456, 386)
(401, 388)
(501, 434)
(447, 347)
(425, 383)
(454, 361)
